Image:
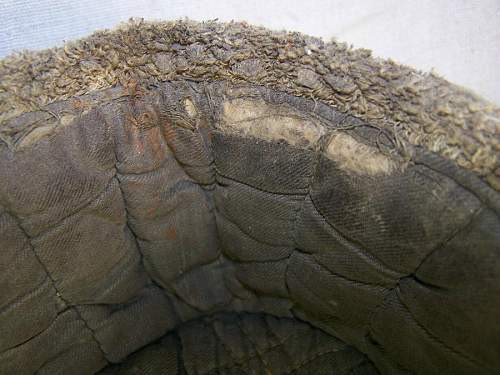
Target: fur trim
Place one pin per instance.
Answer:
(419, 109)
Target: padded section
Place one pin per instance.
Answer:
(347, 304)
(26, 290)
(166, 208)
(245, 344)
(26, 271)
(264, 278)
(73, 253)
(138, 143)
(204, 287)
(399, 218)
(424, 352)
(267, 217)
(188, 140)
(66, 346)
(260, 344)
(157, 358)
(188, 146)
(59, 176)
(239, 246)
(168, 211)
(145, 218)
(189, 226)
(122, 329)
(454, 287)
(329, 248)
(269, 166)
(38, 308)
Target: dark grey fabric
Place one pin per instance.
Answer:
(245, 344)
(138, 222)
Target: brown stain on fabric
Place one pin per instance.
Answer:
(145, 137)
(171, 233)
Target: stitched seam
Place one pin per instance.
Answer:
(297, 193)
(455, 233)
(181, 366)
(356, 282)
(452, 236)
(313, 172)
(312, 176)
(312, 359)
(358, 249)
(377, 309)
(226, 348)
(316, 295)
(127, 225)
(58, 293)
(77, 211)
(127, 214)
(278, 339)
(437, 339)
(11, 305)
(245, 233)
(256, 355)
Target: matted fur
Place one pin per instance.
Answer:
(419, 109)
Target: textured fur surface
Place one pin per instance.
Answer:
(417, 109)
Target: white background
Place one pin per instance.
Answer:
(459, 39)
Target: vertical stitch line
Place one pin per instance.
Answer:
(58, 292)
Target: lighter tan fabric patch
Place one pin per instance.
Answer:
(357, 157)
(258, 119)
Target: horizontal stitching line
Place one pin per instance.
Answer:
(219, 213)
(22, 298)
(358, 249)
(76, 212)
(232, 179)
(362, 283)
(53, 321)
(164, 163)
